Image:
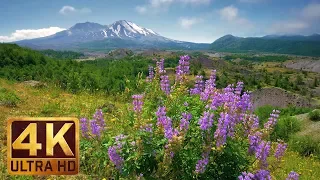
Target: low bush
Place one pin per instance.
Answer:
(305, 145)
(50, 109)
(8, 98)
(285, 128)
(294, 110)
(314, 115)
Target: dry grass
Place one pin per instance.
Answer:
(309, 128)
(45, 102)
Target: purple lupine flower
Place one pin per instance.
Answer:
(221, 132)
(186, 104)
(120, 137)
(151, 74)
(199, 85)
(272, 120)
(137, 102)
(115, 158)
(161, 115)
(160, 66)
(165, 84)
(84, 127)
(147, 128)
(184, 122)
(239, 88)
(254, 141)
(246, 176)
(185, 63)
(98, 116)
(228, 96)
(293, 176)
(206, 121)
(262, 175)
(118, 140)
(231, 125)
(217, 100)
(212, 79)
(165, 122)
(262, 152)
(250, 123)
(176, 132)
(168, 130)
(171, 154)
(183, 68)
(281, 148)
(209, 87)
(95, 128)
(202, 164)
(245, 102)
(179, 73)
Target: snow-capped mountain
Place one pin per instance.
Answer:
(93, 33)
(120, 29)
(127, 29)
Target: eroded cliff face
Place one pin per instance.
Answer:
(279, 98)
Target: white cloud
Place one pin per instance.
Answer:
(30, 34)
(141, 9)
(229, 13)
(186, 23)
(195, 1)
(250, 1)
(288, 27)
(69, 9)
(304, 21)
(311, 11)
(157, 5)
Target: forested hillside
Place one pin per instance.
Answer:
(23, 64)
(230, 43)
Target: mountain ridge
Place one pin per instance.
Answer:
(90, 35)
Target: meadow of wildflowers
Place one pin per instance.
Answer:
(186, 133)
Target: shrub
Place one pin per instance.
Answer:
(286, 127)
(8, 98)
(50, 109)
(171, 133)
(314, 115)
(305, 145)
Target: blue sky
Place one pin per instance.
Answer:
(188, 20)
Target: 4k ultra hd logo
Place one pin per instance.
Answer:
(43, 146)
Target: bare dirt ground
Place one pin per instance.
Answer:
(306, 65)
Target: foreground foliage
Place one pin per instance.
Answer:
(34, 101)
(174, 132)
